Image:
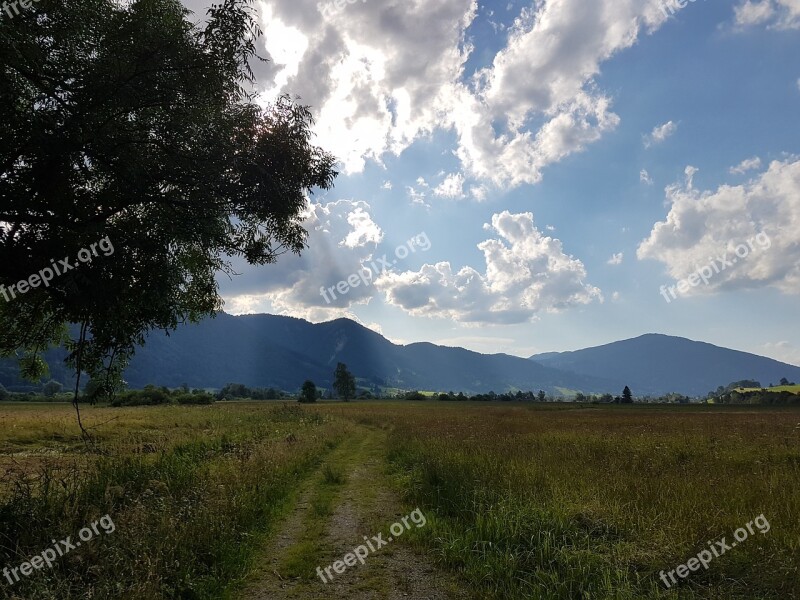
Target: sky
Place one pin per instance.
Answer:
(525, 177)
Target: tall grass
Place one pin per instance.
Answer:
(595, 502)
(190, 490)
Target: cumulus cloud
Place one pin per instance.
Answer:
(659, 134)
(342, 240)
(381, 75)
(526, 273)
(644, 177)
(704, 225)
(746, 165)
(451, 187)
(775, 14)
(416, 197)
(616, 259)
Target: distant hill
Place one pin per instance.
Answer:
(659, 364)
(269, 350)
(282, 352)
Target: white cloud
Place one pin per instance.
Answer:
(660, 133)
(783, 351)
(616, 259)
(381, 75)
(702, 226)
(746, 165)
(776, 14)
(479, 192)
(416, 197)
(616, 297)
(644, 177)
(526, 273)
(342, 238)
(387, 185)
(451, 187)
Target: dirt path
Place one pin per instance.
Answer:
(346, 500)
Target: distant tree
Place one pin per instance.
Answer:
(607, 398)
(51, 388)
(308, 393)
(580, 397)
(627, 396)
(541, 396)
(344, 383)
(785, 381)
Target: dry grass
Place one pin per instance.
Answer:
(568, 502)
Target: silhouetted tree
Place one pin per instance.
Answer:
(344, 383)
(308, 393)
(127, 123)
(627, 396)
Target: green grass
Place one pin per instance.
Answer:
(192, 490)
(558, 502)
(794, 389)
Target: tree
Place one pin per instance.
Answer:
(344, 383)
(627, 396)
(308, 393)
(51, 388)
(541, 396)
(127, 127)
(785, 381)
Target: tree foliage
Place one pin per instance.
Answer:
(308, 392)
(344, 382)
(627, 396)
(125, 121)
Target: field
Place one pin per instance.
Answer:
(550, 501)
(793, 389)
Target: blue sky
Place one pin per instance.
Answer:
(563, 162)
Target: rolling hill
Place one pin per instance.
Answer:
(282, 352)
(658, 364)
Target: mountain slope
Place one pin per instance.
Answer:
(658, 364)
(269, 350)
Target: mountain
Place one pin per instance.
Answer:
(282, 352)
(658, 364)
(269, 350)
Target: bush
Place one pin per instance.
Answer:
(195, 398)
(149, 396)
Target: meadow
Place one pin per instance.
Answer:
(550, 501)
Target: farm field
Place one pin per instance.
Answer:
(552, 501)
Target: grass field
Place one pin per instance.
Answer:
(553, 501)
(793, 389)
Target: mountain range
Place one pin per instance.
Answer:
(282, 352)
